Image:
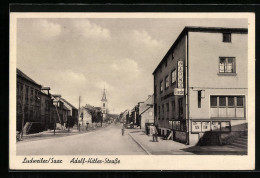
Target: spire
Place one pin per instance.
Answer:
(104, 98)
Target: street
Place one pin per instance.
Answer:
(106, 141)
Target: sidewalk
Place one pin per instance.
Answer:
(170, 147)
(58, 133)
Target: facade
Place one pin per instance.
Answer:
(85, 116)
(72, 113)
(104, 105)
(146, 111)
(57, 112)
(200, 86)
(28, 100)
(46, 104)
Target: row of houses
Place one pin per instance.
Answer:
(140, 115)
(37, 106)
(200, 88)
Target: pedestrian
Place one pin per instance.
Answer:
(154, 133)
(123, 130)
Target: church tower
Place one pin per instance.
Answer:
(104, 104)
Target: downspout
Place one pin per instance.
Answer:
(187, 91)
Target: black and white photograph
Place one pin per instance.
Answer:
(137, 91)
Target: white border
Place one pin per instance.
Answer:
(151, 162)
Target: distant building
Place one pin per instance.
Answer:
(200, 86)
(85, 114)
(146, 111)
(73, 111)
(104, 104)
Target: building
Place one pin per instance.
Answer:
(46, 104)
(28, 100)
(58, 111)
(200, 86)
(73, 112)
(146, 111)
(85, 114)
(104, 105)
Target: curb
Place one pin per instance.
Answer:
(140, 145)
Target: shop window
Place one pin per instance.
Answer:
(227, 106)
(173, 75)
(226, 37)
(167, 82)
(227, 65)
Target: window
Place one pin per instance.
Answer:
(167, 107)
(227, 65)
(104, 104)
(226, 37)
(166, 82)
(163, 109)
(155, 90)
(173, 76)
(199, 99)
(227, 106)
(172, 55)
(173, 105)
(161, 86)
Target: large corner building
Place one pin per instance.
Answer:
(200, 85)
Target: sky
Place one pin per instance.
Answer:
(79, 57)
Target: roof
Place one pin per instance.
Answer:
(68, 103)
(104, 98)
(201, 29)
(64, 107)
(23, 75)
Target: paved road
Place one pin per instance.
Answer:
(106, 141)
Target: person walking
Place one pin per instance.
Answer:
(123, 129)
(154, 133)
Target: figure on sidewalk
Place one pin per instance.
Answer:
(123, 129)
(154, 132)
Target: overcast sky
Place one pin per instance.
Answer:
(79, 57)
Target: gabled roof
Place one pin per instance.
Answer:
(23, 75)
(62, 99)
(200, 29)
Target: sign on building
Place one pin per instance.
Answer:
(206, 126)
(178, 91)
(215, 126)
(180, 74)
(196, 126)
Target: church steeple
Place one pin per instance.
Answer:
(104, 104)
(104, 98)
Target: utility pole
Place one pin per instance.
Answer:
(79, 113)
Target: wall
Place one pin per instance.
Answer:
(204, 50)
(32, 112)
(148, 114)
(179, 54)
